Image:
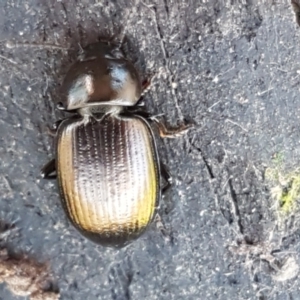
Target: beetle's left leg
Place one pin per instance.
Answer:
(170, 132)
(166, 176)
(52, 130)
(48, 170)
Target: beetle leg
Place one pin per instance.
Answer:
(161, 227)
(56, 124)
(170, 132)
(166, 176)
(52, 130)
(48, 170)
(163, 130)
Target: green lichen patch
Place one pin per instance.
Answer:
(285, 186)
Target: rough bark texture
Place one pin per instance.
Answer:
(231, 66)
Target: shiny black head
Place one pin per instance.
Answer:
(100, 76)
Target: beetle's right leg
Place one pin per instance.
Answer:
(48, 170)
(170, 132)
(163, 130)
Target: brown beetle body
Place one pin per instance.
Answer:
(106, 162)
(108, 175)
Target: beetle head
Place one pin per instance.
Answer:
(100, 76)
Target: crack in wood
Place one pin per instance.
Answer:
(236, 211)
(207, 166)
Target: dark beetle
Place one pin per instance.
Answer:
(106, 162)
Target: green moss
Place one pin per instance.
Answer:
(286, 185)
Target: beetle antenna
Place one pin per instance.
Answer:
(123, 32)
(147, 84)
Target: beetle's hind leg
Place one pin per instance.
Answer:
(49, 170)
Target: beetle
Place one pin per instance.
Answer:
(106, 160)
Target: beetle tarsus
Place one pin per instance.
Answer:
(48, 170)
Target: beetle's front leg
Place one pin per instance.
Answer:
(170, 132)
(48, 170)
